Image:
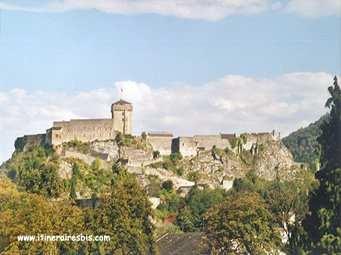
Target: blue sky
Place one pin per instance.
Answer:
(169, 49)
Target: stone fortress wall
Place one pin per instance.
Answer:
(192, 146)
(185, 145)
(161, 141)
(88, 130)
(84, 130)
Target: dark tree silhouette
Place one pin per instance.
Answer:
(323, 225)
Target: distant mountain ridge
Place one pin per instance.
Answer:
(303, 144)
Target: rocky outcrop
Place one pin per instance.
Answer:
(216, 167)
(274, 158)
(106, 150)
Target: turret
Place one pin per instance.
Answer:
(121, 112)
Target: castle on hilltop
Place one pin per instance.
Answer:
(88, 130)
(84, 130)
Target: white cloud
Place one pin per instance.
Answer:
(231, 104)
(314, 8)
(189, 9)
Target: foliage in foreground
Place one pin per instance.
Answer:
(123, 214)
(243, 224)
(287, 200)
(36, 171)
(323, 224)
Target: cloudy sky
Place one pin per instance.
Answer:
(188, 66)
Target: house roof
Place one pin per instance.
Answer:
(121, 101)
(227, 136)
(181, 244)
(165, 134)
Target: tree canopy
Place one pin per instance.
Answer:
(323, 222)
(123, 214)
(303, 143)
(242, 224)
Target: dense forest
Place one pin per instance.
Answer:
(303, 143)
(251, 218)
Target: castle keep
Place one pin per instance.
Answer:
(88, 130)
(84, 130)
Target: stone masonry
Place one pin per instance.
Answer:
(88, 130)
(85, 130)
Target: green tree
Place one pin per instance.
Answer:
(167, 185)
(36, 171)
(23, 213)
(124, 214)
(156, 154)
(96, 165)
(171, 202)
(120, 139)
(303, 143)
(175, 157)
(197, 203)
(193, 176)
(288, 200)
(323, 223)
(242, 224)
(120, 173)
(186, 220)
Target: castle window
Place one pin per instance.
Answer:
(122, 113)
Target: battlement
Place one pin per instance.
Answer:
(161, 142)
(192, 146)
(87, 130)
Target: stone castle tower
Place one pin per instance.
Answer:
(121, 112)
(87, 130)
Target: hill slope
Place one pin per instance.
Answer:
(302, 143)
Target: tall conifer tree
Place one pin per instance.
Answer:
(323, 224)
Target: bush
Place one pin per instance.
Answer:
(78, 145)
(168, 164)
(180, 171)
(167, 185)
(244, 137)
(175, 157)
(156, 154)
(246, 157)
(233, 142)
(193, 176)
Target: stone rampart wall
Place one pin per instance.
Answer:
(208, 141)
(163, 144)
(185, 145)
(82, 130)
